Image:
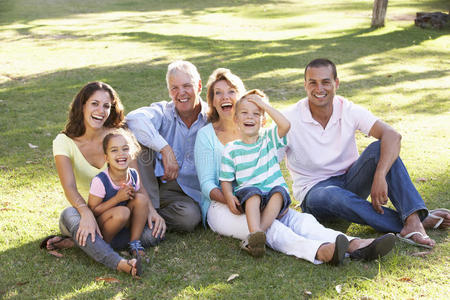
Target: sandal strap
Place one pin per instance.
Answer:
(136, 245)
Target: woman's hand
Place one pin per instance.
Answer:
(88, 226)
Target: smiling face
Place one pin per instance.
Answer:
(118, 153)
(249, 118)
(96, 110)
(225, 97)
(320, 87)
(184, 92)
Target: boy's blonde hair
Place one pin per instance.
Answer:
(128, 136)
(248, 93)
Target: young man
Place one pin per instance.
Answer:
(169, 130)
(331, 181)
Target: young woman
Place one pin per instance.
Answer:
(79, 156)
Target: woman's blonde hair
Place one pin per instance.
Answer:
(218, 75)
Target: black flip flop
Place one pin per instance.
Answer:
(378, 248)
(340, 247)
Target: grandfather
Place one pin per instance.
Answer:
(332, 181)
(168, 130)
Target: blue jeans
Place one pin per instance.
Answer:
(243, 194)
(100, 250)
(344, 196)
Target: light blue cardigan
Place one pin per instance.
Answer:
(208, 154)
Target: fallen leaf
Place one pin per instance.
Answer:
(389, 75)
(232, 277)
(405, 279)
(307, 293)
(420, 254)
(55, 253)
(107, 279)
(22, 283)
(365, 298)
(32, 146)
(421, 179)
(339, 288)
(5, 209)
(156, 249)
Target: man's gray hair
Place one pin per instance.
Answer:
(184, 67)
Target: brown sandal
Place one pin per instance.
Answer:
(137, 267)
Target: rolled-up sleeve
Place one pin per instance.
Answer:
(144, 123)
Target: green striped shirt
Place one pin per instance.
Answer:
(254, 165)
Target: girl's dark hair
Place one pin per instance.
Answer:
(129, 137)
(75, 123)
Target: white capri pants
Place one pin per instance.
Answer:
(297, 234)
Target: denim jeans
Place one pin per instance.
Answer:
(243, 194)
(101, 251)
(344, 196)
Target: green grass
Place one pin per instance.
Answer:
(50, 48)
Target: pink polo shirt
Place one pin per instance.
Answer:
(314, 153)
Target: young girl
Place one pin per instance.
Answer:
(115, 196)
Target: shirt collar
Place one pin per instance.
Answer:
(202, 114)
(306, 115)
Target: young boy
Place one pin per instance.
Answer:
(252, 163)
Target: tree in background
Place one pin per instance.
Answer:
(379, 12)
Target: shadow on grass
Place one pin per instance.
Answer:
(16, 11)
(188, 265)
(196, 264)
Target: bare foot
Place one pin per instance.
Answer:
(356, 244)
(325, 252)
(128, 266)
(413, 224)
(434, 217)
(58, 242)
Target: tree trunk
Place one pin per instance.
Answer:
(379, 12)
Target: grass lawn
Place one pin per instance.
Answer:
(50, 48)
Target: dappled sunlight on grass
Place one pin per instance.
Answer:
(51, 48)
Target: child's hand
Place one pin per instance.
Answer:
(234, 205)
(257, 100)
(125, 193)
